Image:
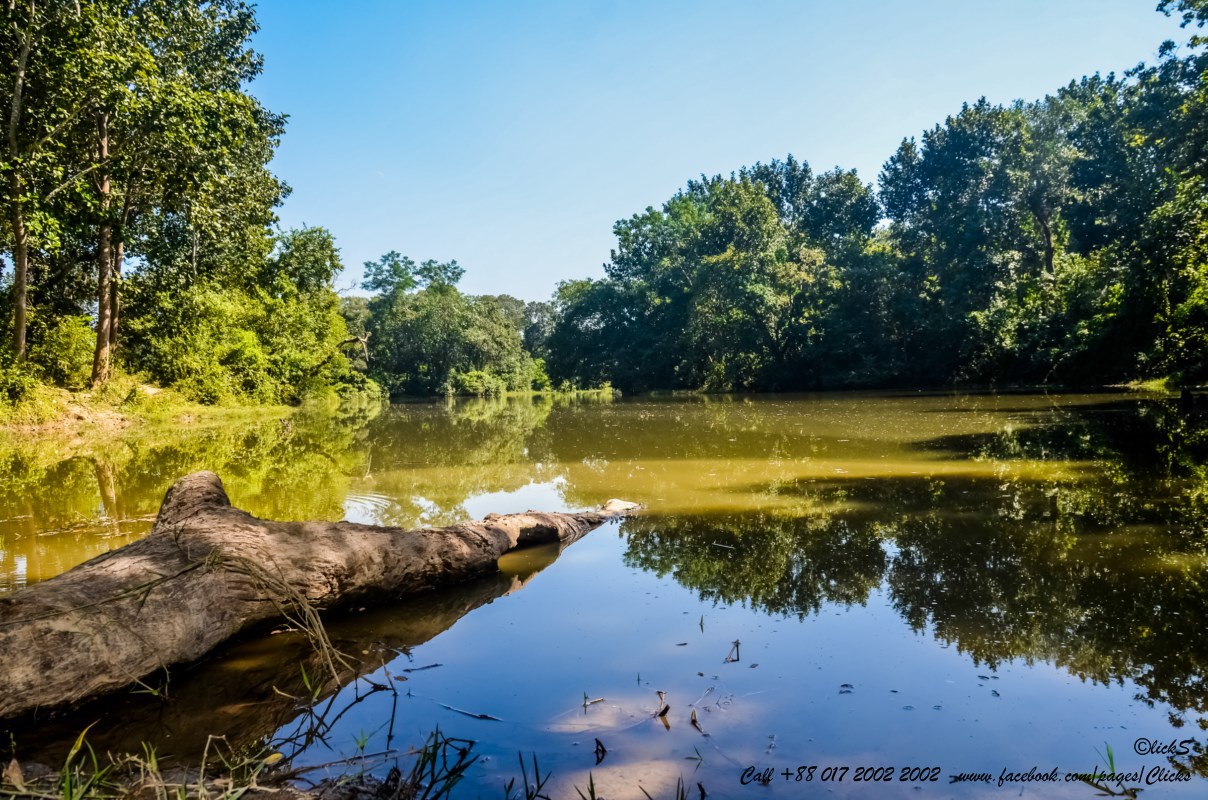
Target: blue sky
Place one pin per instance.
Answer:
(512, 135)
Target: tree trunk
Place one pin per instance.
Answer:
(17, 213)
(115, 284)
(104, 260)
(20, 265)
(247, 691)
(208, 571)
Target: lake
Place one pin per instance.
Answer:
(942, 595)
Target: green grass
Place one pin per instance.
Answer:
(127, 399)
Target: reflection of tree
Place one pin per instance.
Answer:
(1077, 536)
(783, 565)
(63, 501)
(429, 459)
(1099, 571)
(1034, 574)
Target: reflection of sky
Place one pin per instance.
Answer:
(588, 624)
(545, 496)
(366, 509)
(373, 509)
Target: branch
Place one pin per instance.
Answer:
(19, 82)
(56, 130)
(363, 339)
(67, 183)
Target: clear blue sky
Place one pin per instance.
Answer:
(512, 135)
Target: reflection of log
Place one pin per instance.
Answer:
(246, 690)
(208, 570)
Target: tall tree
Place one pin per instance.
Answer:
(46, 87)
(172, 126)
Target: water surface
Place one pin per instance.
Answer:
(969, 583)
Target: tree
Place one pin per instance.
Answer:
(270, 337)
(512, 309)
(306, 259)
(173, 124)
(733, 284)
(428, 338)
(45, 49)
(539, 320)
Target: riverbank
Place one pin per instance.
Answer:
(125, 402)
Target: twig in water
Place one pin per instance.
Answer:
(471, 713)
(587, 702)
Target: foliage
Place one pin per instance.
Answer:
(428, 338)
(270, 341)
(16, 383)
(1056, 241)
(479, 383)
(734, 284)
(1061, 240)
(61, 352)
(136, 195)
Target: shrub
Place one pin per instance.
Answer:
(540, 381)
(62, 351)
(478, 382)
(16, 383)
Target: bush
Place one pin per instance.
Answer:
(540, 381)
(209, 384)
(478, 382)
(62, 351)
(16, 383)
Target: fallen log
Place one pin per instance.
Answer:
(247, 691)
(208, 571)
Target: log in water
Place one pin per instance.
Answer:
(208, 570)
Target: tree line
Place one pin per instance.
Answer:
(140, 230)
(139, 209)
(1057, 241)
(1062, 240)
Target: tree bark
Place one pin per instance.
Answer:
(17, 203)
(208, 571)
(104, 259)
(247, 690)
(115, 283)
(20, 265)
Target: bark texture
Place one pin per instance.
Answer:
(104, 258)
(208, 570)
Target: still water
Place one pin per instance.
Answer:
(878, 586)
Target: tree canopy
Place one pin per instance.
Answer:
(1062, 240)
(139, 204)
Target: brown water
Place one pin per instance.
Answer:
(967, 584)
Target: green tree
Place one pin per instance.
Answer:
(428, 338)
(270, 338)
(736, 283)
(48, 75)
(172, 125)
